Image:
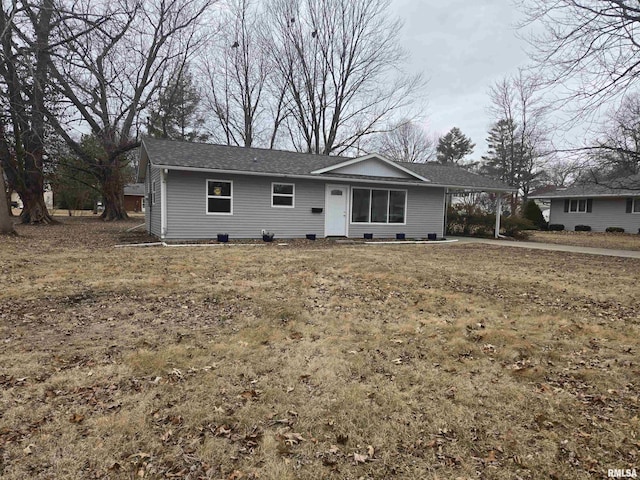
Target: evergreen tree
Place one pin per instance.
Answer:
(175, 114)
(531, 211)
(453, 147)
(510, 160)
(500, 159)
(74, 187)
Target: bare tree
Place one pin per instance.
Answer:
(25, 46)
(406, 141)
(519, 138)
(560, 173)
(589, 47)
(235, 68)
(619, 153)
(112, 75)
(339, 62)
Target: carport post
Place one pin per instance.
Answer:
(498, 212)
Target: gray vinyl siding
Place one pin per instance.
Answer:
(374, 168)
(154, 212)
(606, 212)
(424, 215)
(187, 217)
(252, 212)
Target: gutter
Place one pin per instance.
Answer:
(163, 203)
(585, 195)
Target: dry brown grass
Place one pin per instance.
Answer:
(416, 362)
(619, 241)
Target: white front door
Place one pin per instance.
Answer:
(336, 209)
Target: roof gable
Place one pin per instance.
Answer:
(372, 166)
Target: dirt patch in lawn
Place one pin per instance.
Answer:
(462, 361)
(617, 241)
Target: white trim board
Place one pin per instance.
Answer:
(370, 157)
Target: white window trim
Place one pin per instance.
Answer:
(153, 192)
(207, 196)
(292, 195)
(578, 205)
(389, 190)
(635, 205)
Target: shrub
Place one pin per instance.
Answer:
(465, 220)
(582, 228)
(517, 226)
(556, 227)
(614, 230)
(531, 211)
(462, 220)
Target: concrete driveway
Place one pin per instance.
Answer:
(551, 246)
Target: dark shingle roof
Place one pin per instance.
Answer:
(454, 176)
(188, 155)
(621, 187)
(136, 189)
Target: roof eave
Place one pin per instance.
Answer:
(584, 195)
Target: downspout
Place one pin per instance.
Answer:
(498, 214)
(446, 211)
(163, 203)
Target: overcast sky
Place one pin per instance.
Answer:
(463, 47)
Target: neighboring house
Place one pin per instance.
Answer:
(16, 201)
(615, 204)
(198, 190)
(134, 197)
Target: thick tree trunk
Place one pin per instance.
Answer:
(7, 196)
(31, 190)
(34, 209)
(113, 194)
(30, 187)
(6, 224)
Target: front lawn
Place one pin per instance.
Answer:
(618, 241)
(282, 362)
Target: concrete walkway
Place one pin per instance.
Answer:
(551, 246)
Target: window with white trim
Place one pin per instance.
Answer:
(578, 205)
(219, 197)
(282, 195)
(636, 205)
(153, 192)
(373, 205)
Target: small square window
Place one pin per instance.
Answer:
(219, 197)
(282, 195)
